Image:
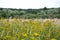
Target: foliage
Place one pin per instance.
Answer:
(30, 13)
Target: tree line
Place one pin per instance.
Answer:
(30, 13)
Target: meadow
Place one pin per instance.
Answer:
(29, 29)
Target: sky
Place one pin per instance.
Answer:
(26, 4)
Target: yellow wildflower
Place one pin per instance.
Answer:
(22, 39)
(8, 37)
(32, 38)
(36, 34)
(47, 23)
(24, 34)
(53, 39)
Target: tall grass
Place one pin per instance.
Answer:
(16, 29)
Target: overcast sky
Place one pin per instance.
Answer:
(25, 4)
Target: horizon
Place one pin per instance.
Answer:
(29, 8)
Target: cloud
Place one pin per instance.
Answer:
(29, 3)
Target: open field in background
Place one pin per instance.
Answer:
(29, 29)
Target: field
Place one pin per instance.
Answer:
(29, 29)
